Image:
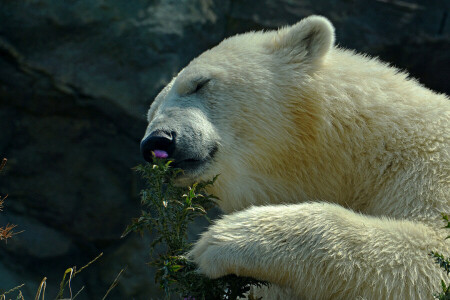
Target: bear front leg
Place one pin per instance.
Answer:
(324, 251)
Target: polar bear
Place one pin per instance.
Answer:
(334, 167)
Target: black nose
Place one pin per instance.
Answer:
(157, 140)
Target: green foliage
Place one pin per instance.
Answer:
(444, 263)
(168, 211)
(445, 217)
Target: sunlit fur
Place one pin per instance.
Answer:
(334, 167)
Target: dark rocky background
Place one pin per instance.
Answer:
(76, 79)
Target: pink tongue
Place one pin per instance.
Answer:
(160, 154)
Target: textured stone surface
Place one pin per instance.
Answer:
(76, 79)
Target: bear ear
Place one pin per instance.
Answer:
(309, 39)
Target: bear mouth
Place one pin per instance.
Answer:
(195, 167)
(189, 164)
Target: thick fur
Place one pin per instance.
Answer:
(334, 167)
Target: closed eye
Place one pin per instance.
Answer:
(199, 84)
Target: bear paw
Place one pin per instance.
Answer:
(210, 255)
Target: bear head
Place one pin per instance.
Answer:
(234, 109)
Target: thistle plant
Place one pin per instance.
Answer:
(167, 212)
(7, 231)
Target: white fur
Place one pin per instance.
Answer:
(334, 167)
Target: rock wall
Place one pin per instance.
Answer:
(76, 79)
